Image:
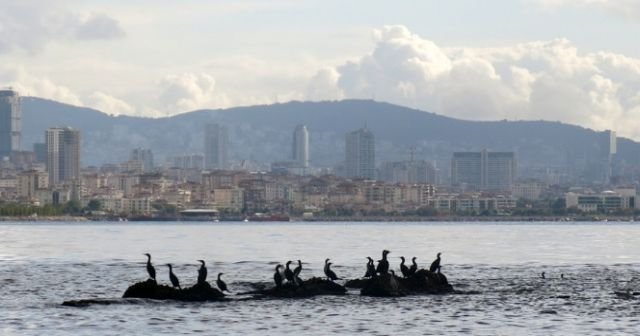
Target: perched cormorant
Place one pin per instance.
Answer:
(329, 273)
(383, 264)
(277, 276)
(435, 264)
(371, 269)
(542, 275)
(562, 276)
(221, 284)
(288, 273)
(404, 269)
(150, 269)
(173, 277)
(202, 273)
(297, 270)
(414, 267)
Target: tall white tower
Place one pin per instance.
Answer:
(300, 153)
(10, 122)
(215, 146)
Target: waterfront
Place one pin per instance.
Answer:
(496, 267)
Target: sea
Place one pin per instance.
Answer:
(591, 273)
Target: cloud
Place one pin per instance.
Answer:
(189, 91)
(109, 104)
(29, 85)
(548, 80)
(31, 24)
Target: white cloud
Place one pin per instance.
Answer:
(548, 80)
(29, 85)
(109, 104)
(189, 91)
(625, 8)
(31, 24)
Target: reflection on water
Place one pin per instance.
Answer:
(495, 268)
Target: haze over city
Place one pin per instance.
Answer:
(570, 61)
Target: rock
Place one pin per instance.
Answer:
(103, 302)
(310, 287)
(427, 282)
(385, 285)
(357, 283)
(151, 290)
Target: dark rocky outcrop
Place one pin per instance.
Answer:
(151, 290)
(387, 285)
(310, 287)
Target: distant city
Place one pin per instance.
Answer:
(476, 183)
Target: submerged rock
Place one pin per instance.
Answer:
(151, 290)
(310, 287)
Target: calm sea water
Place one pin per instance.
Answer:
(495, 267)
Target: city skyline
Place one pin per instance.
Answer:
(407, 54)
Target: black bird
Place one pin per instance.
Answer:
(328, 272)
(221, 284)
(542, 275)
(288, 273)
(404, 269)
(393, 273)
(562, 276)
(150, 269)
(435, 264)
(277, 277)
(371, 269)
(414, 267)
(298, 269)
(383, 264)
(173, 277)
(202, 273)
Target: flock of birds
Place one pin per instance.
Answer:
(285, 273)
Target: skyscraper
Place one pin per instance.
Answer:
(63, 154)
(10, 122)
(483, 170)
(300, 153)
(360, 159)
(215, 146)
(145, 156)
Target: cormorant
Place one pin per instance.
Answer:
(542, 275)
(277, 277)
(202, 273)
(435, 264)
(150, 269)
(173, 277)
(297, 270)
(562, 276)
(371, 269)
(383, 264)
(221, 284)
(393, 273)
(329, 273)
(404, 269)
(288, 273)
(414, 267)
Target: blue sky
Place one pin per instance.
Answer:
(575, 61)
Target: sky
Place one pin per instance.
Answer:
(575, 61)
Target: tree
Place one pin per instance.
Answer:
(94, 205)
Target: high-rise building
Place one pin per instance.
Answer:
(63, 154)
(145, 156)
(419, 171)
(10, 122)
(360, 158)
(608, 146)
(215, 146)
(492, 171)
(300, 150)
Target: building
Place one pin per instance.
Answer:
(419, 171)
(145, 156)
(40, 151)
(215, 146)
(300, 147)
(189, 161)
(360, 159)
(610, 200)
(490, 171)
(10, 122)
(30, 182)
(63, 154)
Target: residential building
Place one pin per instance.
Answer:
(419, 171)
(215, 146)
(360, 157)
(144, 156)
(490, 171)
(63, 154)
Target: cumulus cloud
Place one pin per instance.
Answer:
(189, 91)
(31, 24)
(537, 80)
(30, 85)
